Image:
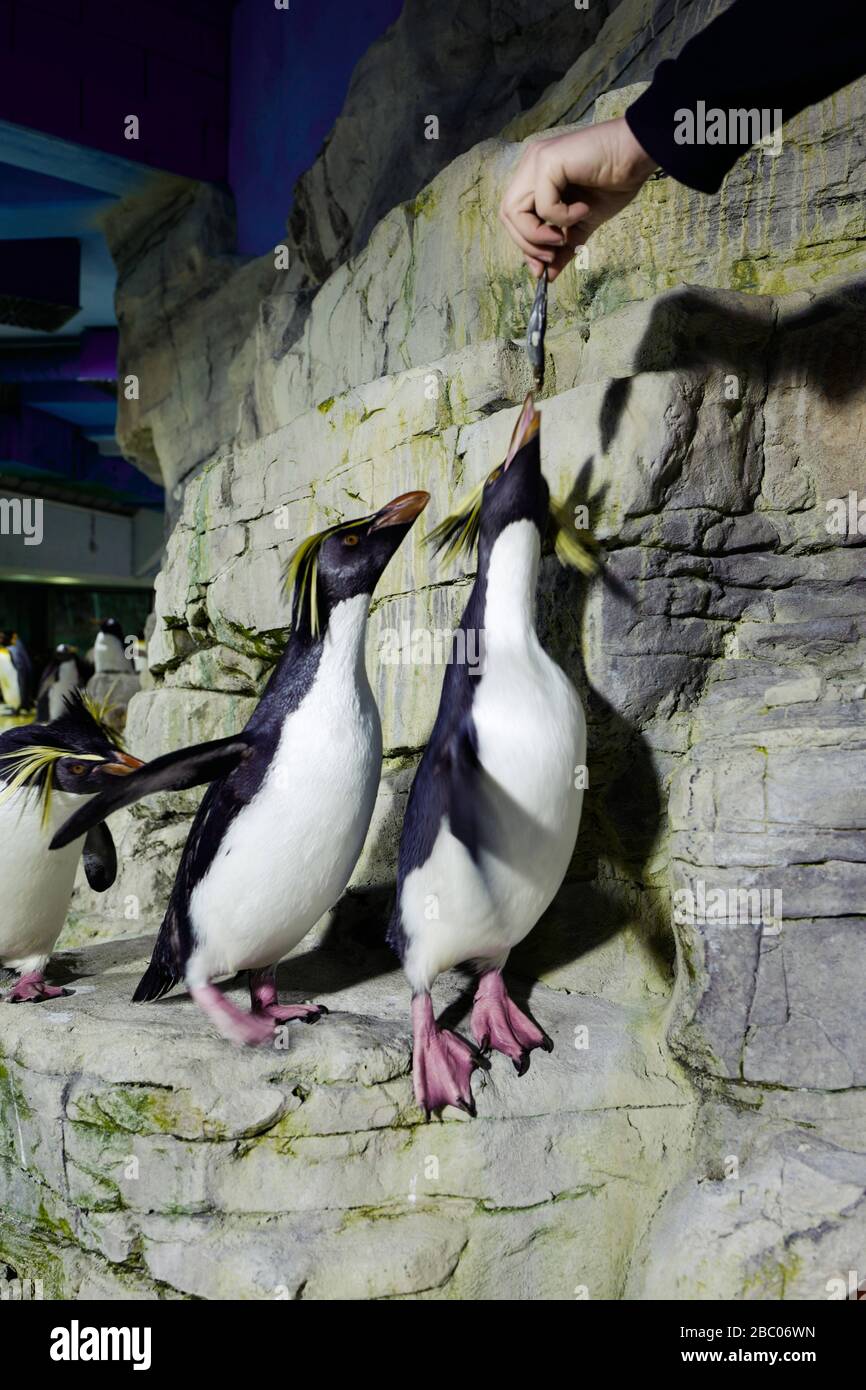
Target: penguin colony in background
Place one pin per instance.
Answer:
(490, 825)
(65, 673)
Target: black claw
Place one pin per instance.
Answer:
(467, 1105)
(522, 1065)
(547, 1044)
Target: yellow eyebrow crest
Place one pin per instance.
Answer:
(30, 763)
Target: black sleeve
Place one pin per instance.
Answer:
(773, 55)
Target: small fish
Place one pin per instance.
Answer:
(536, 330)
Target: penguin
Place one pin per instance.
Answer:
(44, 770)
(275, 840)
(493, 813)
(16, 673)
(65, 673)
(109, 650)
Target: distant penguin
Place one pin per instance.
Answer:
(275, 840)
(493, 813)
(16, 673)
(65, 673)
(44, 770)
(110, 652)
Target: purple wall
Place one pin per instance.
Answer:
(290, 71)
(77, 68)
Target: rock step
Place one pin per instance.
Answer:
(141, 1153)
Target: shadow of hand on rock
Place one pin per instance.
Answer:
(622, 803)
(819, 345)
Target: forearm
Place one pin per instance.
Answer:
(769, 55)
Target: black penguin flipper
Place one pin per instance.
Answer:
(460, 768)
(100, 858)
(189, 767)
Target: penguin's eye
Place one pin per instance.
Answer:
(350, 540)
(77, 768)
(495, 474)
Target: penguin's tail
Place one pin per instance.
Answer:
(154, 983)
(160, 976)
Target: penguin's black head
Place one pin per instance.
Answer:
(86, 774)
(516, 490)
(111, 628)
(77, 752)
(347, 560)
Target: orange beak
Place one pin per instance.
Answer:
(528, 425)
(123, 764)
(401, 511)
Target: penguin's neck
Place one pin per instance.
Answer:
(509, 572)
(343, 643)
(335, 655)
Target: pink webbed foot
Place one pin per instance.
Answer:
(265, 1004)
(442, 1062)
(498, 1023)
(249, 1030)
(32, 989)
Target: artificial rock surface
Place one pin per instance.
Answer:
(721, 662)
(141, 1157)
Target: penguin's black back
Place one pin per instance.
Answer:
(430, 796)
(221, 803)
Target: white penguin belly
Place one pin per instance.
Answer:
(109, 655)
(531, 739)
(288, 856)
(37, 882)
(10, 690)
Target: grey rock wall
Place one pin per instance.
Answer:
(714, 1147)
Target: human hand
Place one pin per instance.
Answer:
(599, 168)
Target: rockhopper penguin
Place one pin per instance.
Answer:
(63, 675)
(16, 673)
(276, 838)
(44, 770)
(494, 809)
(110, 650)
